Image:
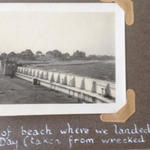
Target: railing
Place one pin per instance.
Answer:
(85, 89)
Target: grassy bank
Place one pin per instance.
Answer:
(104, 70)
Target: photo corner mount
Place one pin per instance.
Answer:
(125, 112)
(129, 109)
(127, 6)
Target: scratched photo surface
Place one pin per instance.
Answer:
(57, 57)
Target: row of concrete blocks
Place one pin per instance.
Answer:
(44, 75)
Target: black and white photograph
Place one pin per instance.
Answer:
(61, 58)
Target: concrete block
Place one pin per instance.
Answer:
(37, 74)
(36, 81)
(108, 91)
(41, 75)
(94, 87)
(73, 82)
(65, 80)
(82, 87)
(46, 75)
(30, 72)
(58, 78)
(20, 69)
(33, 73)
(52, 78)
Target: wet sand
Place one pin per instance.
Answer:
(18, 91)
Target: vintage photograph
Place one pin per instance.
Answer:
(62, 57)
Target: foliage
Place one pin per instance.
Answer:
(52, 55)
(3, 56)
(39, 53)
(79, 55)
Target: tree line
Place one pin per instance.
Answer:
(54, 54)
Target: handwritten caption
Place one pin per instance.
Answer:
(73, 135)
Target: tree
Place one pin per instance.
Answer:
(27, 54)
(54, 54)
(3, 56)
(79, 55)
(39, 53)
(12, 54)
(57, 53)
(49, 54)
(92, 57)
(65, 56)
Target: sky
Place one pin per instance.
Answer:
(92, 32)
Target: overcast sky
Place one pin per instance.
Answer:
(67, 32)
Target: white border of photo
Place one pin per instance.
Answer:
(42, 109)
